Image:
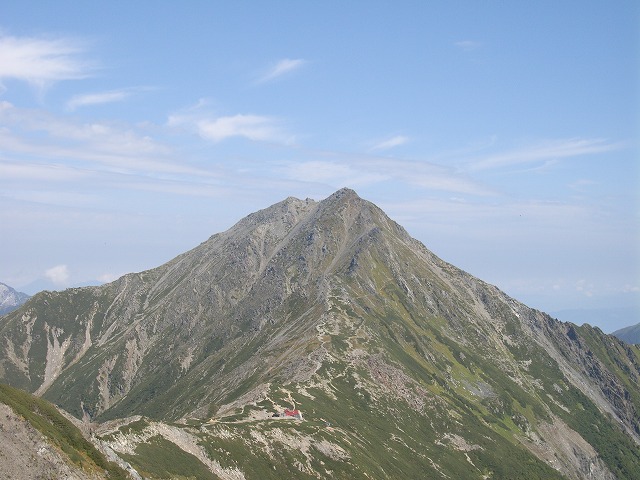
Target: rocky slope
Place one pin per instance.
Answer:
(37, 442)
(10, 299)
(403, 365)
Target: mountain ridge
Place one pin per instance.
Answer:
(332, 306)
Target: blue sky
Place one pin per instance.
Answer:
(503, 135)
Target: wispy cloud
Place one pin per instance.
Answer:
(46, 159)
(42, 61)
(585, 287)
(39, 171)
(468, 45)
(99, 98)
(582, 184)
(369, 170)
(335, 173)
(533, 213)
(41, 146)
(390, 143)
(550, 150)
(51, 196)
(282, 67)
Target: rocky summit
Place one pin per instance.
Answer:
(319, 340)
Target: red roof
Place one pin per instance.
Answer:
(291, 413)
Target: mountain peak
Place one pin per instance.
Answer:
(343, 196)
(344, 193)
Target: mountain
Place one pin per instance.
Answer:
(10, 299)
(399, 364)
(629, 334)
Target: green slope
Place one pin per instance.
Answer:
(60, 432)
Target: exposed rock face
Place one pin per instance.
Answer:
(333, 306)
(38, 442)
(26, 455)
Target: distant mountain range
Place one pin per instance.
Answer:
(629, 334)
(319, 340)
(10, 299)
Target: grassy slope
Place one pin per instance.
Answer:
(59, 431)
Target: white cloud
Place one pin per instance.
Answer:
(59, 275)
(250, 126)
(391, 143)
(284, 66)
(97, 98)
(253, 127)
(108, 277)
(551, 150)
(41, 61)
